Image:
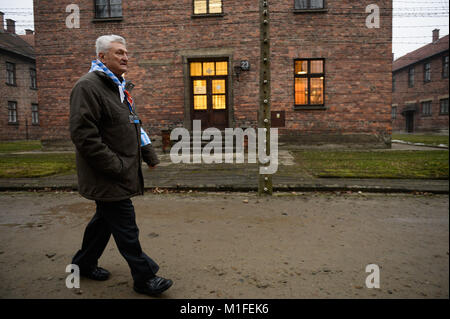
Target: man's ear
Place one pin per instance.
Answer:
(101, 56)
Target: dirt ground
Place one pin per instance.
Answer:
(237, 245)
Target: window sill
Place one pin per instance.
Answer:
(426, 115)
(32, 88)
(9, 84)
(443, 113)
(309, 107)
(13, 123)
(299, 11)
(211, 15)
(113, 19)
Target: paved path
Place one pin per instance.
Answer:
(243, 177)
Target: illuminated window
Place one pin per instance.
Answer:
(209, 85)
(200, 95)
(218, 95)
(309, 82)
(207, 6)
(208, 68)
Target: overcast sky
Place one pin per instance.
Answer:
(413, 21)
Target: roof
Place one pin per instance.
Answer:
(422, 53)
(13, 43)
(29, 38)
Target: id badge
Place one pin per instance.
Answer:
(134, 119)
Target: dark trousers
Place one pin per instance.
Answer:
(116, 218)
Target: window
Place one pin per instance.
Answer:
(426, 108)
(308, 4)
(411, 77)
(12, 112)
(33, 79)
(209, 84)
(207, 7)
(393, 83)
(108, 8)
(443, 109)
(394, 112)
(309, 82)
(10, 73)
(445, 67)
(427, 72)
(34, 114)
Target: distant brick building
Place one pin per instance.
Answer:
(19, 112)
(330, 73)
(420, 88)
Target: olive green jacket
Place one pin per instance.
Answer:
(108, 146)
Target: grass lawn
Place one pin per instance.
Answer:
(36, 165)
(427, 139)
(378, 164)
(20, 146)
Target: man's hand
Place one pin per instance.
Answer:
(151, 167)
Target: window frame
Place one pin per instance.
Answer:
(33, 79)
(440, 106)
(14, 71)
(309, 9)
(444, 67)
(308, 76)
(394, 82)
(394, 112)
(411, 74)
(422, 104)
(207, 14)
(427, 72)
(209, 94)
(15, 113)
(109, 17)
(34, 114)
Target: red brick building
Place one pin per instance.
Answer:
(420, 88)
(330, 73)
(19, 112)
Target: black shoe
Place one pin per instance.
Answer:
(96, 273)
(153, 286)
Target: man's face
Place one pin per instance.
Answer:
(116, 59)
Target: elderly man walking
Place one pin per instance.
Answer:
(110, 147)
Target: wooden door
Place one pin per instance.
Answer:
(209, 93)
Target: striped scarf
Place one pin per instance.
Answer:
(97, 65)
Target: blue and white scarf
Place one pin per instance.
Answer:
(97, 65)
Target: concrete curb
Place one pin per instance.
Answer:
(313, 186)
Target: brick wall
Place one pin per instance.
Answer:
(432, 91)
(23, 96)
(161, 33)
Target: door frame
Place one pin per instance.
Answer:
(409, 118)
(205, 55)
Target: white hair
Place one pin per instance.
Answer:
(103, 43)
